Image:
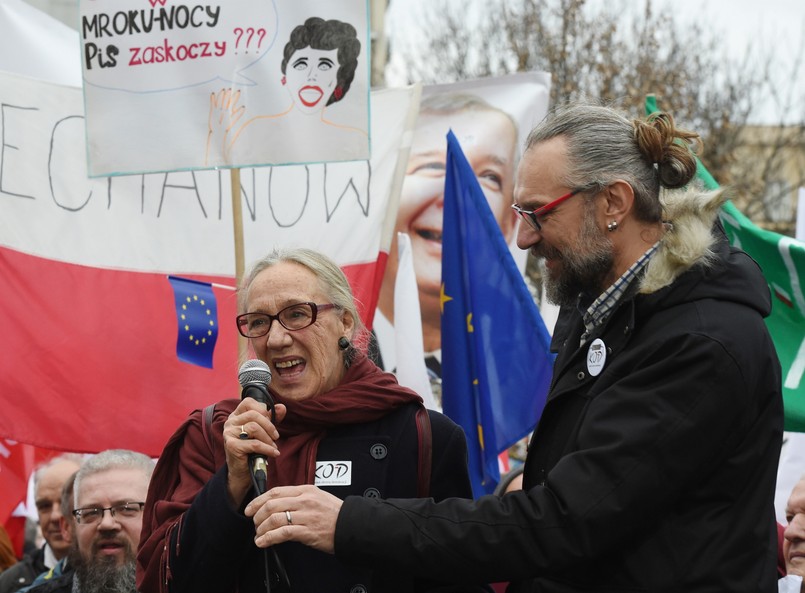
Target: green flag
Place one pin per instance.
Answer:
(782, 260)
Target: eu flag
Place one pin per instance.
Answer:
(496, 362)
(197, 317)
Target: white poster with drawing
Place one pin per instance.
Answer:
(172, 85)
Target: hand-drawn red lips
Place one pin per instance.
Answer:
(310, 92)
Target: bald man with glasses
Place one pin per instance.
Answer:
(49, 480)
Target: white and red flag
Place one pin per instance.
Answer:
(88, 357)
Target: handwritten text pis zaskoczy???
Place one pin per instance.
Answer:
(137, 22)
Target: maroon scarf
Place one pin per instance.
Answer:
(365, 394)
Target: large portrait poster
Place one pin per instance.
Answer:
(491, 118)
(172, 85)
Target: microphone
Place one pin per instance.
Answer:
(254, 377)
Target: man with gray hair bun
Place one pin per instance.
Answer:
(654, 462)
(109, 495)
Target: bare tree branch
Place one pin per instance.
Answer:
(590, 53)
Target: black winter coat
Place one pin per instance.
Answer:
(384, 456)
(24, 572)
(657, 474)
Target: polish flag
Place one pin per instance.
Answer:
(89, 327)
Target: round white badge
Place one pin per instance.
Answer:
(596, 357)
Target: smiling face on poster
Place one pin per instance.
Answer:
(489, 118)
(212, 85)
(488, 137)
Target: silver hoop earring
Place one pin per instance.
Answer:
(612, 226)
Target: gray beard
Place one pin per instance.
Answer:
(104, 577)
(584, 265)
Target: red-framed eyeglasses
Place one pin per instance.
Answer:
(532, 216)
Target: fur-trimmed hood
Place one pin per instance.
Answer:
(695, 252)
(691, 214)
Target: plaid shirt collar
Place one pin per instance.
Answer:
(598, 312)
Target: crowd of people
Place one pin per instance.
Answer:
(652, 468)
(97, 503)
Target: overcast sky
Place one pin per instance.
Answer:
(769, 25)
(776, 26)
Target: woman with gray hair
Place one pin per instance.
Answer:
(339, 422)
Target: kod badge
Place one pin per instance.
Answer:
(596, 357)
(333, 473)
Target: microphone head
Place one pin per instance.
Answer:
(254, 371)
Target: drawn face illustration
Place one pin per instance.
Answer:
(311, 77)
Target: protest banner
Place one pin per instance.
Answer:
(89, 352)
(90, 355)
(172, 86)
(37, 45)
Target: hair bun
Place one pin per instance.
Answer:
(668, 148)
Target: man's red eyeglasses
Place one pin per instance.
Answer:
(532, 216)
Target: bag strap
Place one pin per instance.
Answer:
(425, 436)
(206, 425)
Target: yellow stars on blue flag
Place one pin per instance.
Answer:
(197, 317)
(496, 363)
(443, 298)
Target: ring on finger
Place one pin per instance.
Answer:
(288, 517)
(243, 434)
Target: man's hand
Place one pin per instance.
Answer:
(312, 513)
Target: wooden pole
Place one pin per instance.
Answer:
(237, 224)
